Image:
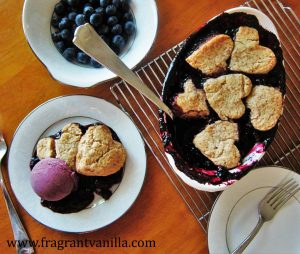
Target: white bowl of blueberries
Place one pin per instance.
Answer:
(127, 26)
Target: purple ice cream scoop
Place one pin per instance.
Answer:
(52, 179)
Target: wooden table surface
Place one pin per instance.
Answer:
(158, 214)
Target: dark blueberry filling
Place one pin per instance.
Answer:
(88, 185)
(112, 20)
(177, 135)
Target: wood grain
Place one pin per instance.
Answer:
(158, 214)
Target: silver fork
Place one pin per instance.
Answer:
(269, 206)
(18, 229)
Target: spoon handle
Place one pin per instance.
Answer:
(92, 44)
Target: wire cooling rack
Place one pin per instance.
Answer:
(285, 149)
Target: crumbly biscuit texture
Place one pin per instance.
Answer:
(98, 154)
(211, 56)
(66, 145)
(225, 94)
(192, 102)
(250, 57)
(45, 148)
(266, 105)
(216, 142)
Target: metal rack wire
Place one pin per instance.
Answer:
(285, 149)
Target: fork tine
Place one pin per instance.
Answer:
(283, 192)
(287, 198)
(276, 191)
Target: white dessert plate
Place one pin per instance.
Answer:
(36, 26)
(235, 214)
(48, 119)
(255, 154)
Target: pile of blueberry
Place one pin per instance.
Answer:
(112, 19)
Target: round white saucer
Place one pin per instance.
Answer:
(235, 214)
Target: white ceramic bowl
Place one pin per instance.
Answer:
(257, 151)
(36, 26)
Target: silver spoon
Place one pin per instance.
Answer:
(18, 229)
(86, 38)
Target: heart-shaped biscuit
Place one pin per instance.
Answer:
(216, 142)
(225, 94)
(266, 105)
(192, 102)
(210, 58)
(248, 56)
(66, 145)
(98, 154)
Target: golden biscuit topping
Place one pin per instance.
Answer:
(210, 58)
(192, 102)
(216, 142)
(250, 57)
(225, 95)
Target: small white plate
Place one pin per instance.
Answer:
(235, 214)
(49, 118)
(36, 26)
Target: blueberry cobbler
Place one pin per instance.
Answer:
(226, 89)
(71, 166)
(111, 19)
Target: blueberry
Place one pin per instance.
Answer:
(116, 29)
(64, 23)
(119, 42)
(102, 30)
(110, 10)
(129, 27)
(112, 20)
(116, 3)
(105, 193)
(115, 49)
(66, 35)
(105, 38)
(74, 26)
(73, 3)
(96, 19)
(119, 15)
(101, 184)
(94, 2)
(95, 63)
(54, 21)
(88, 4)
(34, 160)
(125, 5)
(127, 16)
(83, 58)
(60, 46)
(79, 20)
(72, 16)
(99, 10)
(69, 54)
(88, 11)
(60, 9)
(56, 37)
(104, 3)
